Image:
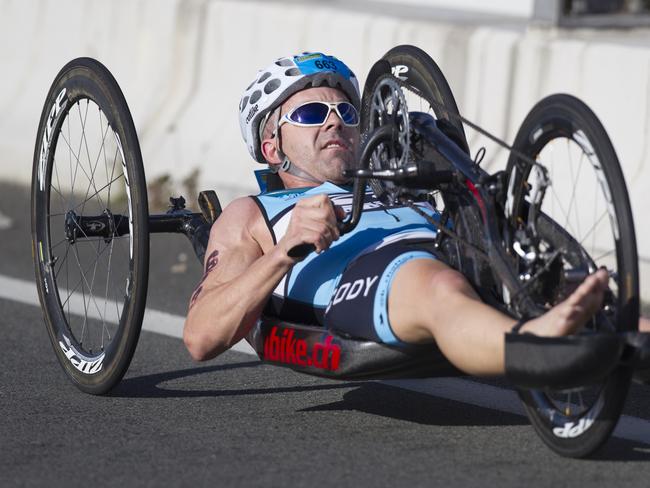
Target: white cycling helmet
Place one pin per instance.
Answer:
(284, 77)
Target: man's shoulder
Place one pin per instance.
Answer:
(240, 214)
(241, 208)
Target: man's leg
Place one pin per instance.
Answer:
(428, 299)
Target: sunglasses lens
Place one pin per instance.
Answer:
(310, 114)
(349, 114)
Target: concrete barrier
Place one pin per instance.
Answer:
(183, 64)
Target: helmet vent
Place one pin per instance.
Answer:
(242, 104)
(284, 62)
(255, 96)
(292, 72)
(271, 86)
(264, 77)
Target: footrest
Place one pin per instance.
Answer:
(561, 363)
(639, 357)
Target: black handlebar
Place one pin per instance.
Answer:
(379, 136)
(301, 251)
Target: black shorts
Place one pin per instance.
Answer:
(359, 305)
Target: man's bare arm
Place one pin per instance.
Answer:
(241, 270)
(237, 281)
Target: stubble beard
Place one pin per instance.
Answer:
(333, 170)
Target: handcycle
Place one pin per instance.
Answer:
(512, 234)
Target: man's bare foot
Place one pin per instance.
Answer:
(644, 324)
(570, 315)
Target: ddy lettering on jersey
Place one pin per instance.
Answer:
(285, 348)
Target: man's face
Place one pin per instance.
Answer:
(325, 151)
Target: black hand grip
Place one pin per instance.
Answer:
(300, 251)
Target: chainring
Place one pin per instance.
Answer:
(388, 107)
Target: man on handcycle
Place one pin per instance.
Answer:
(301, 117)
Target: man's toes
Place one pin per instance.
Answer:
(588, 287)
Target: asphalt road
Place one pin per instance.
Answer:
(234, 421)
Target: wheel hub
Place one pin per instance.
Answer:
(71, 225)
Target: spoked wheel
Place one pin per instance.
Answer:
(409, 80)
(89, 225)
(583, 219)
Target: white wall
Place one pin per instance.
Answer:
(518, 8)
(183, 64)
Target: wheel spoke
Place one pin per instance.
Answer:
(76, 207)
(64, 260)
(90, 292)
(604, 255)
(90, 179)
(67, 120)
(62, 199)
(575, 179)
(76, 154)
(108, 277)
(58, 243)
(593, 228)
(83, 273)
(83, 295)
(567, 224)
(94, 168)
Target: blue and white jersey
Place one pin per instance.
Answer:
(306, 289)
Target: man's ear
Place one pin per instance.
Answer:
(270, 151)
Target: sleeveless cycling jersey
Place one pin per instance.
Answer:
(305, 291)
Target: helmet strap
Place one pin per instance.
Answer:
(289, 167)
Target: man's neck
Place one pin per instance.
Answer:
(291, 181)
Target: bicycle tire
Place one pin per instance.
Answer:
(420, 73)
(543, 131)
(421, 82)
(87, 142)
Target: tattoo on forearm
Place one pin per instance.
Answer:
(210, 264)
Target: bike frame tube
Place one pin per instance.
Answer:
(100, 225)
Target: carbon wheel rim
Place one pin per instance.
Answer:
(88, 280)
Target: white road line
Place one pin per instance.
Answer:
(5, 222)
(24, 291)
(456, 389)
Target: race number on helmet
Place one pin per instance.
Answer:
(284, 77)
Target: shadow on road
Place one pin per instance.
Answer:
(386, 401)
(367, 397)
(148, 386)
(396, 403)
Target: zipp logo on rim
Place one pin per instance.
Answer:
(58, 105)
(571, 429)
(399, 71)
(79, 361)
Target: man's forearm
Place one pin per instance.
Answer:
(222, 313)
